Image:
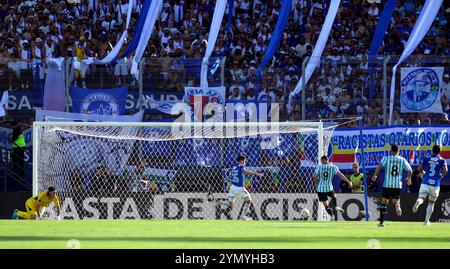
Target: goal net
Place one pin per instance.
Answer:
(178, 170)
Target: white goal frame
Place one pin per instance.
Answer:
(319, 127)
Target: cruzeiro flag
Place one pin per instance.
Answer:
(420, 89)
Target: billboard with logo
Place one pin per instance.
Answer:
(99, 102)
(146, 205)
(267, 206)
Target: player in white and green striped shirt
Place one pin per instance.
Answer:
(324, 173)
(394, 165)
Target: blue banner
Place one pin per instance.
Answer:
(377, 39)
(230, 15)
(162, 99)
(194, 66)
(207, 152)
(156, 148)
(99, 102)
(276, 36)
(23, 103)
(138, 30)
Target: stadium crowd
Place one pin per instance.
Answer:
(35, 30)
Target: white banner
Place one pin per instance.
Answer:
(266, 206)
(420, 89)
(423, 24)
(115, 51)
(318, 49)
(154, 11)
(219, 10)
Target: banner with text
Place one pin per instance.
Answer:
(415, 142)
(100, 102)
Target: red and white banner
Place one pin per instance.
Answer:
(205, 103)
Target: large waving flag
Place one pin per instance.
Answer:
(219, 10)
(276, 35)
(423, 24)
(115, 51)
(377, 39)
(318, 50)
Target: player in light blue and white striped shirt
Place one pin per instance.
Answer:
(324, 173)
(393, 165)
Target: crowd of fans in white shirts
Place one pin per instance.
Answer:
(34, 31)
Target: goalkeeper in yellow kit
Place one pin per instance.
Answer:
(37, 204)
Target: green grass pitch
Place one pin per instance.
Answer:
(201, 234)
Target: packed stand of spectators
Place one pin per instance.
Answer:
(36, 30)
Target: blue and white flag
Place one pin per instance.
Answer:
(219, 10)
(99, 102)
(316, 55)
(162, 106)
(420, 89)
(115, 51)
(150, 20)
(423, 24)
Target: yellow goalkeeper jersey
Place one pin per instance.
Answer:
(43, 199)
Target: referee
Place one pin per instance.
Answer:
(393, 170)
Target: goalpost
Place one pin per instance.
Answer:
(160, 170)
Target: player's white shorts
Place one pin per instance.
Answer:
(237, 191)
(426, 190)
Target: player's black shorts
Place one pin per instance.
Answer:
(391, 193)
(323, 196)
